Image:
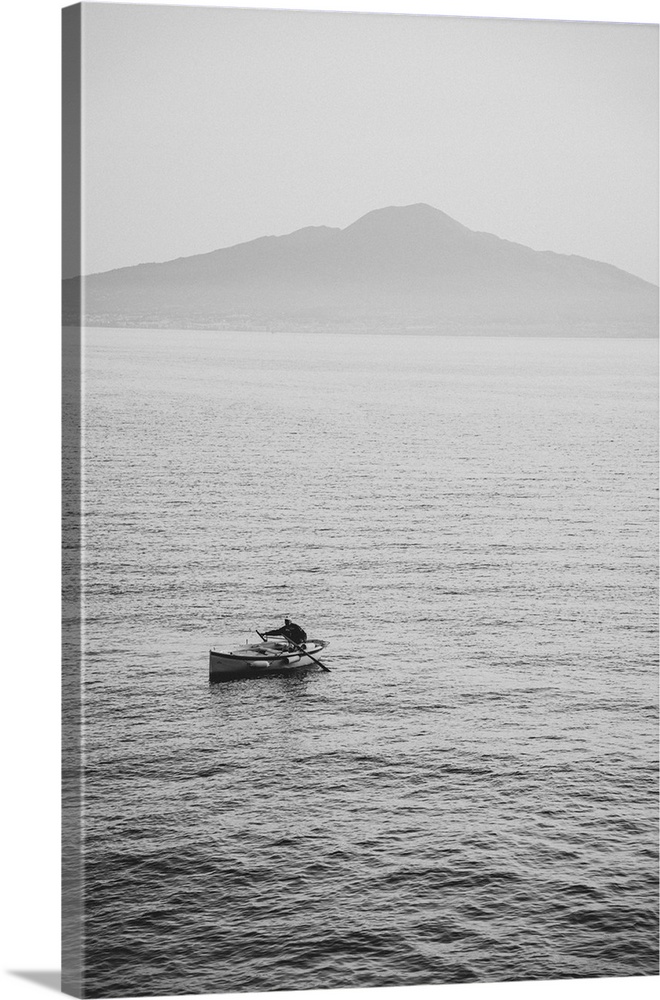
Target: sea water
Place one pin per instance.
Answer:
(470, 793)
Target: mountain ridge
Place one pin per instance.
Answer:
(399, 267)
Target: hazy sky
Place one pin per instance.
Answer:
(206, 127)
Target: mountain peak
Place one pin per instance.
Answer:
(399, 220)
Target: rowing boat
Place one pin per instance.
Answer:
(261, 659)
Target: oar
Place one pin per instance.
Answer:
(305, 653)
(301, 650)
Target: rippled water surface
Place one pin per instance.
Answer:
(470, 793)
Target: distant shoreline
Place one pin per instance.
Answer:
(547, 332)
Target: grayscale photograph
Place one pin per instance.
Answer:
(360, 522)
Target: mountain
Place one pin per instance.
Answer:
(408, 268)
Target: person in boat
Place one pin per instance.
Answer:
(294, 633)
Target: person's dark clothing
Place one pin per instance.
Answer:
(292, 632)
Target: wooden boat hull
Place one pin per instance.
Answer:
(262, 660)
